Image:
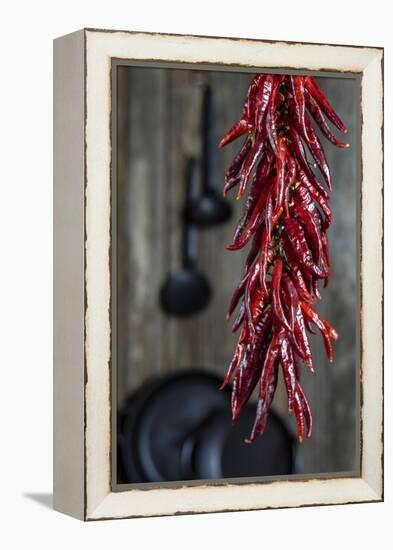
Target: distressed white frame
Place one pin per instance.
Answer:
(82, 473)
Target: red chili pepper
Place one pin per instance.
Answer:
(308, 222)
(286, 218)
(262, 101)
(318, 153)
(237, 356)
(252, 99)
(258, 307)
(291, 304)
(296, 145)
(271, 122)
(291, 177)
(280, 169)
(238, 129)
(249, 371)
(292, 295)
(288, 369)
(315, 195)
(291, 165)
(254, 250)
(308, 326)
(297, 84)
(318, 95)
(263, 259)
(253, 223)
(233, 174)
(303, 197)
(278, 311)
(298, 409)
(305, 409)
(307, 132)
(297, 367)
(269, 211)
(267, 387)
(326, 332)
(300, 247)
(251, 288)
(301, 337)
(317, 115)
(315, 287)
(265, 251)
(260, 178)
(250, 162)
(325, 248)
(308, 280)
(297, 275)
(263, 406)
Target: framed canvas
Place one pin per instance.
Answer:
(127, 113)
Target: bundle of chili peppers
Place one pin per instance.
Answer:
(286, 218)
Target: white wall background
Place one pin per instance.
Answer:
(26, 268)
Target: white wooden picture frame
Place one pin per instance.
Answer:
(82, 272)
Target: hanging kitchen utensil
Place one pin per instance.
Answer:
(209, 208)
(187, 290)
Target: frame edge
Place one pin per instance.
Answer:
(68, 289)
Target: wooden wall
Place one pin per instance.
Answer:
(158, 127)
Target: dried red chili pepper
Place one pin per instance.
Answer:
(233, 174)
(318, 153)
(286, 218)
(299, 153)
(278, 311)
(281, 173)
(301, 249)
(297, 84)
(250, 162)
(312, 86)
(310, 224)
(262, 101)
(271, 118)
(317, 114)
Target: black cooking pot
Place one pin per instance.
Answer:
(178, 428)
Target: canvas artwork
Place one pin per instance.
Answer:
(218, 274)
(249, 251)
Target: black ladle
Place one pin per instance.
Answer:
(209, 208)
(187, 290)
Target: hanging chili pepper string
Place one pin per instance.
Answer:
(286, 218)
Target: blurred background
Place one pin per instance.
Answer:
(173, 343)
